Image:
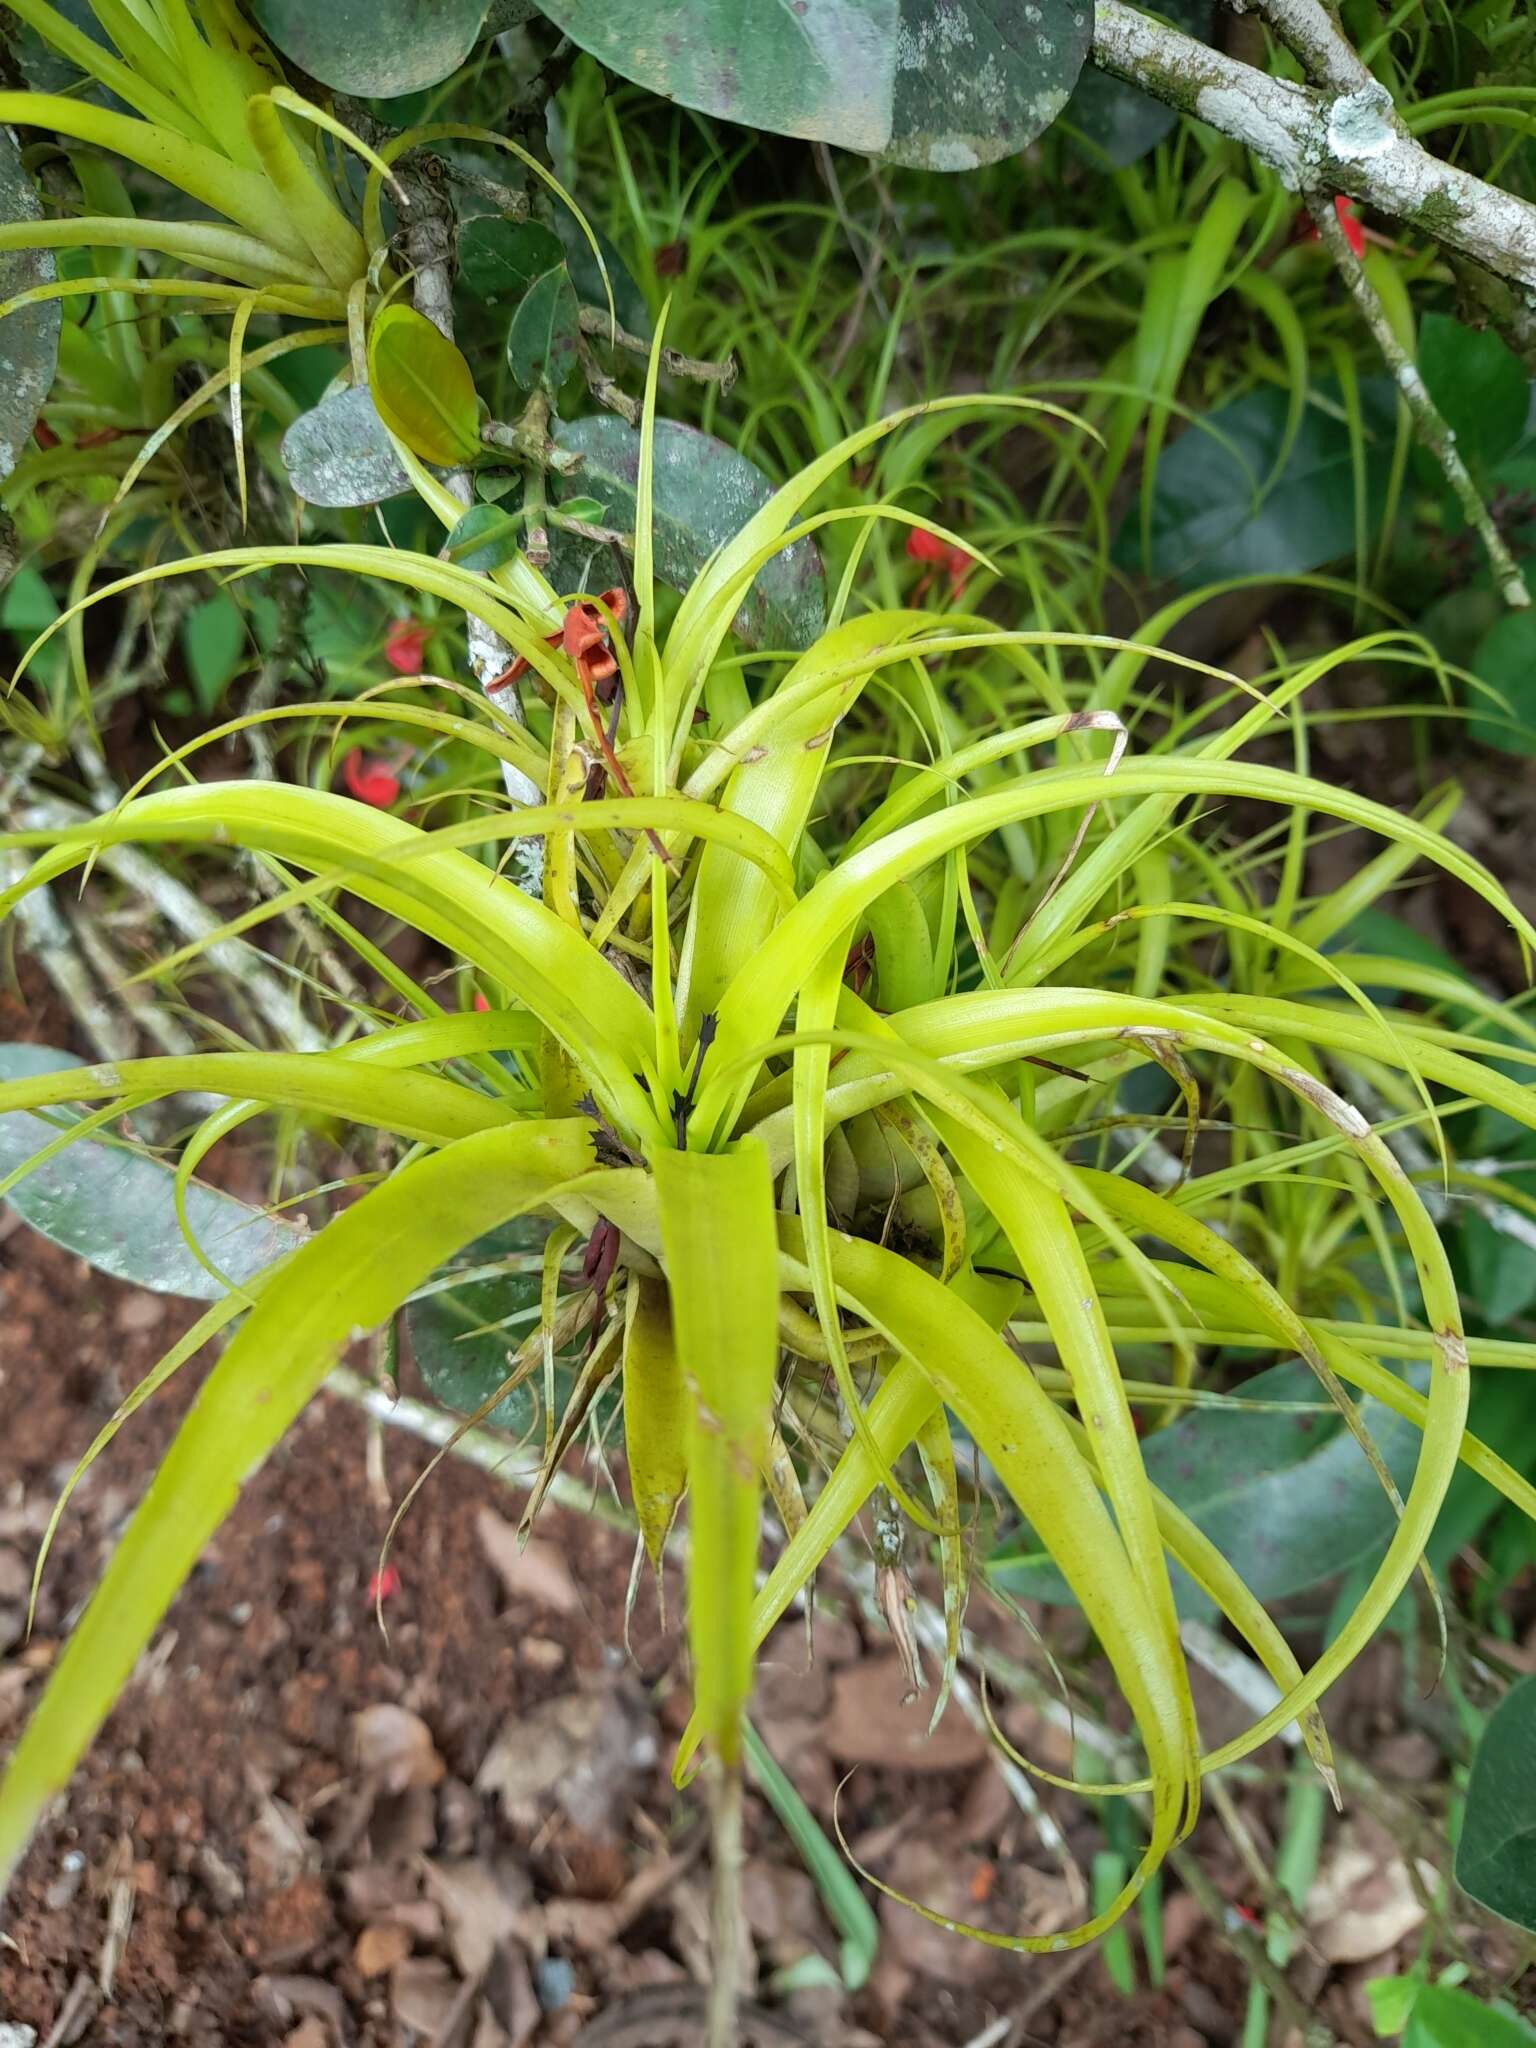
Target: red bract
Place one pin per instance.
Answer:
(1354, 233)
(923, 546)
(406, 647)
(370, 780)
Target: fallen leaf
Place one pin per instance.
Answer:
(379, 1947)
(872, 1722)
(309, 2033)
(278, 1847)
(396, 1747)
(534, 1570)
(1363, 1900)
(479, 1913)
(583, 1751)
(423, 1991)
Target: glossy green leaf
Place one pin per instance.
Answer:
(1288, 1500)
(1500, 1272)
(423, 387)
(943, 85)
(339, 453)
(29, 338)
(1212, 516)
(1506, 661)
(463, 1336)
(1496, 1852)
(704, 494)
(483, 539)
(1118, 122)
(1445, 2017)
(541, 341)
(1478, 384)
(378, 48)
(499, 259)
(215, 642)
(629, 306)
(116, 1207)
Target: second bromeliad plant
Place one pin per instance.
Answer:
(785, 1165)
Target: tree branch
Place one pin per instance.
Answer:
(1326, 140)
(1428, 420)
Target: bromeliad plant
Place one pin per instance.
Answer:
(812, 1116)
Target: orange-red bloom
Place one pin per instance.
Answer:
(406, 647)
(370, 780)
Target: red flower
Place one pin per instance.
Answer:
(482, 1001)
(583, 635)
(382, 1585)
(370, 780)
(923, 546)
(405, 649)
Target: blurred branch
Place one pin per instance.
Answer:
(1429, 422)
(1342, 134)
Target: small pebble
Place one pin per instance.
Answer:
(553, 1982)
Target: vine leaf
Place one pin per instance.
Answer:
(541, 341)
(942, 85)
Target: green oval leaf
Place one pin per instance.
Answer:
(1506, 661)
(483, 539)
(1496, 1853)
(541, 342)
(1478, 384)
(29, 339)
(943, 85)
(1216, 514)
(499, 259)
(704, 493)
(339, 453)
(462, 1339)
(116, 1208)
(423, 387)
(379, 48)
(629, 306)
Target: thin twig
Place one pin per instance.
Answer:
(1428, 419)
(698, 369)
